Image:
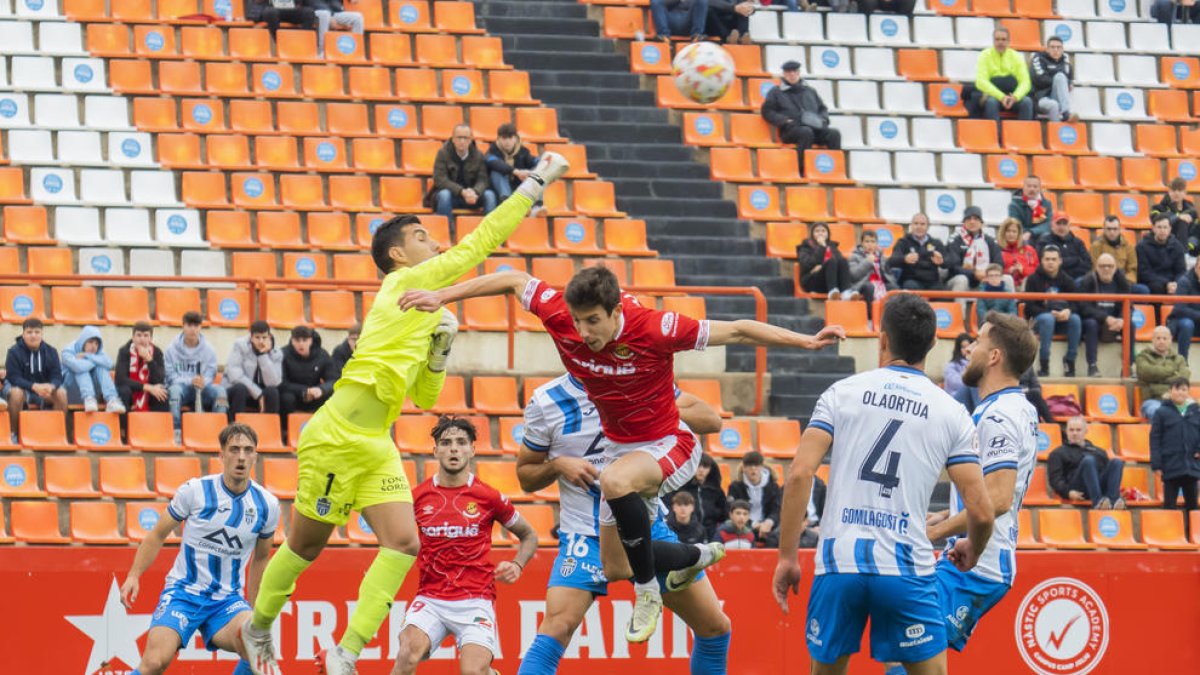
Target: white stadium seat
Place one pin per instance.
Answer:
(102, 261)
(958, 65)
(1070, 32)
(79, 148)
(56, 111)
(897, 205)
(1112, 138)
(1085, 102)
(934, 133)
(777, 55)
(1138, 70)
(65, 38)
(915, 168)
(993, 203)
(151, 262)
(824, 89)
(1149, 37)
(178, 227)
(128, 227)
(33, 73)
(846, 29)
(945, 206)
(1106, 36)
(889, 29)
(933, 31)
(888, 133)
(1125, 104)
(106, 112)
(906, 98)
(52, 185)
(764, 27)
(77, 225)
(6, 8)
(974, 31)
(31, 146)
(3, 73)
(1094, 69)
(84, 74)
(963, 170)
(16, 37)
(802, 27)
(152, 188)
(37, 9)
(871, 167)
(193, 263)
(1077, 9)
(851, 128)
(14, 110)
(857, 96)
(130, 148)
(875, 63)
(1118, 10)
(940, 232)
(102, 186)
(829, 61)
(1185, 37)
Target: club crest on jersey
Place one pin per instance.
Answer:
(249, 515)
(323, 506)
(472, 510)
(567, 568)
(623, 352)
(546, 295)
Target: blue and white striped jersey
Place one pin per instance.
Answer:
(1006, 424)
(893, 432)
(219, 536)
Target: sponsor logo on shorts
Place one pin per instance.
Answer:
(814, 632)
(483, 621)
(180, 617)
(1062, 628)
(393, 484)
(915, 631)
(323, 506)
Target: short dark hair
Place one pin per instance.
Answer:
(752, 458)
(1112, 218)
(1054, 38)
(32, 322)
(708, 461)
(259, 327)
(447, 422)
(868, 234)
(143, 327)
(910, 324)
(390, 234)
(506, 130)
(302, 333)
(1177, 183)
(1012, 335)
(1050, 248)
(1178, 382)
(236, 429)
(683, 498)
(593, 286)
(192, 319)
(994, 267)
(1160, 216)
(739, 504)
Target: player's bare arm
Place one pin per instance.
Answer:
(497, 283)
(536, 472)
(968, 478)
(750, 332)
(814, 445)
(146, 553)
(1000, 485)
(698, 415)
(262, 553)
(509, 571)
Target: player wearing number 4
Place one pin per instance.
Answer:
(230, 521)
(563, 440)
(457, 582)
(891, 431)
(346, 459)
(623, 355)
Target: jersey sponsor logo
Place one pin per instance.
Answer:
(449, 531)
(884, 520)
(1062, 628)
(814, 633)
(224, 538)
(668, 324)
(393, 484)
(623, 352)
(546, 295)
(604, 368)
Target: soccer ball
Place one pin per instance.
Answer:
(703, 71)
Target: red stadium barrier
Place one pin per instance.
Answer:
(1068, 614)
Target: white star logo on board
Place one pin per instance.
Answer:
(114, 632)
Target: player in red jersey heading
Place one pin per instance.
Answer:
(457, 581)
(623, 354)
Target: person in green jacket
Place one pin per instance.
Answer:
(1156, 367)
(1002, 80)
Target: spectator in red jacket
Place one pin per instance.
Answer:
(1020, 259)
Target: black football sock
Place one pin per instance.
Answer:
(633, 525)
(671, 555)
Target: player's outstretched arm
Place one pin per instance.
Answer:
(968, 478)
(1000, 485)
(262, 551)
(797, 489)
(749, 332)
(509, 571)
(698, 415)
(536, 472)
(497, 283)
(146, 553)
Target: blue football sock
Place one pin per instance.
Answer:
(543, 657)
(709, 655)
(895, 670)
(243, 668)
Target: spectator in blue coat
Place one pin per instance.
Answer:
(1186, 314)
(33, 373)
(1175, 446)
(86, 372)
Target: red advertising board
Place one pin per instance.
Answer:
(1068, 614)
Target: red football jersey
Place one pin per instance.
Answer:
(455, 526)
(632, 380)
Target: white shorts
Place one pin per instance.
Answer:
(677, 455)
(471, 622)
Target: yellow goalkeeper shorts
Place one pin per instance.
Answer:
(343, 467)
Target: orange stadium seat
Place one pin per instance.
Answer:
(285, 308)
(151, 431)
(1026, 34)
(44, 430)
(732, 441)
(50, 262)
(826, 166)
(1049, 438)
(345, 48)
(485, 120)
(660, 273)
(595, 198)
(416, 85)
(502, 475)
(279, 230)
(438, 51)
(1132, 209)
(1086, 208)
(952, 7)
(851, 315)
(1112, 530)
(204, 190)
(978, 136)
(751, 131)
(179, 77)
(325, 154)
(854, 204)
(354, 267)
(26, 225)
(69, 477)
(949, 319)
(296, 46)
(402, 194)
(347, 119)
(485, 314)
(455, 17)
(1141, 479)
(732, 165)
(1040, 493)
(108, 39)
(124, 477)
(652, 58)
(438, 121)
(1025, 538)
(98, 431)
(351, 193)
(250, 44)
(272, 80)
(296, 423)
(783, 238)
(463, 85)
(778, 438)
(1165, 530)
(761, 202)
(251, 117)
(323, 82)
(1156, 140)
(372, 155)
(1023, 137)
(576, 236)
(1194, 520)
(266, 425)
(412, 433)
(483, 52)
(1189, 140)
(495, 395)
(172, 472)
(359, 531)
(1007, 171)
(200, 431)
(708, 391)
(302, 192)
(686, 305)
(36, 522)
(624, 22)
(945, 100)
(229, 229)
(779, 165)
(1056, 171)
(918, 65)
(626, 237)
(541, 518)
(539, 125)
(1062, 529)
(141, 517)
(554, 271)
(170, 304)
(18, 303)
(280, 476)
(1133, 442)
(409, 15)
(807, 203)
(20, 478)
(202, 43)
(1180, 71)
(333, 309)
(1109, 403)
(95, 523)
(371, 83)
(1143, 173)
(133, 77)
(1168, 105)
(131, 11)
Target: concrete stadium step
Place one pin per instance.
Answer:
(682, 226)
(644, 152)
(667, 188)
(743, 306)
(531, 9)
(596, 97)
(677, 170)
(812, 383)
(648, 207)
(640, 133)
(788, 361)
(531, 60)
(774, 286)
(572, 78)
(509, 25)
(708, 246)
(797, 406)
(610, 112)
(575, 44)
(749, 266)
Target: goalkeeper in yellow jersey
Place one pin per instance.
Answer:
(347, 459)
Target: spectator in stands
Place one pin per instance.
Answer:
(952, 382)
(868, 275)
(798, 112)
(736, 532)
(680, 18)
(33, 373)
(1076, 260)
(460, 177)
(1079, 470)
(1161, 259)
(683, 521)
(1156, 368)
(508, 161)
(191, 368)
(993, 282)
(1186, 314)
(1102, 319)
(141, 372)
(1113, 242)
(1052, 317)
(1164, 11)
(729, 20)
(253, 372)
(1031, 208)
(308, 373)
(332, 15)
(823, 269)
(756, 485)
(1002, 80)
(1175, 447)
(1020, 259)
(918, 258)
(275, 12)
(1182, 213)
(904, 7)
(970, 252)
(705, 488)
(5, 388)
(1050, 72)
(342, 353)
(86, 372)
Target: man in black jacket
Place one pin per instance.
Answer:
(1050, 74)
(141, 375)
(343, 352)
(308, 373)
(1182, 212)
(711, 505)
(1079, 470)
(273, 12)
(460, 177)
(1053, 316)
(508, 161)
(970, 252)
(919, 257)
(34, 374)
(683, 520)
(757, 485)
(1102, 319)
(681, 18)
(796, 110)
(1161, 258)
(1175, 446)
(1076, 259)
(1186, 314)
